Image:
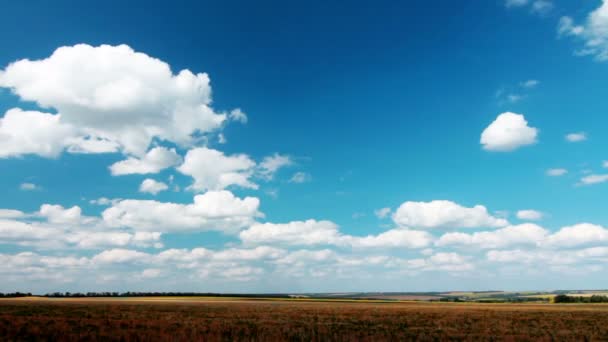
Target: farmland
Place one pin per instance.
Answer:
(214, 319)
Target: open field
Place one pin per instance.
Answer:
(215, 319)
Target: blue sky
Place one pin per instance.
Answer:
(452, 145)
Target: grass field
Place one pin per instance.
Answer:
(230, 319)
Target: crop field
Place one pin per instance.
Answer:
(229, 319)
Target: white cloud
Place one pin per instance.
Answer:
(59, 214)
(31, 132)
(605, 164)
(154, 161)
(213, 170)
(382, 213)
(303, 233)
(29, 187)
(594, 179)
(312, 232)
(444, 214)
(516, 3)
(508, 132)
(531, 215)
(300, 177)
(214, 210)
(119, 255)
(152, 187)
(593, 32)
(578, 235)
(529, 84)
(150, 273)
(238, 115)
(556, 172)
(271, 164)
(576, 137)
(542, 6)
(523, 234)
(115, 95)
(11, 214)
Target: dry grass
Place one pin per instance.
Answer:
(204, 319)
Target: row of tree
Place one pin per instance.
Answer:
(562, 298)
(15, 295)
(155, 294)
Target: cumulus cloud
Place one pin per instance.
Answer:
(152, 187)
(576, 137)
(32, 132)
(444, 214)
(594, 179)
(593, 32)
(508, 132)
(556, 172)
(524, 234)
(271, 164)
(382, 212)
(59, 214)
(29, 186)
(154, 161)
(214, 210)
(106, 96)
(578, 235)
(300, 177)
(213, 170)
(530, 215)
(312, 232)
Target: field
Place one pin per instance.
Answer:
(230, 319)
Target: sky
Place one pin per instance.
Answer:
(271, 146)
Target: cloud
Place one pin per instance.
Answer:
(300, 177)
(214, 210)
(382, 213)
(444, 214)
(109, 96)
(576, 137)
(152, 187)
(556, 172)
(29, 187)
(213, 170)
(529, 84)
(578, 235)
(238, 115)
(523, 234)
(516, 3)
(594, 179)
(312, 232)
(11, 214)
(508, 132)
(542, 6)
(271, 164)
(32, 132)
(59, 214)
(154, 161)
(530, 215)
(593, 32)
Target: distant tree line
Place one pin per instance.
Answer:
(562, 298)
(156, 294)
(15, 295)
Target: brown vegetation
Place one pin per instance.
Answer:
(277, 320)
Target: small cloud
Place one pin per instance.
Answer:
(594, 179)
(556, 172)
(238, 115)
(152, 187)
(151, 273)
(542, 6)
(221, 139)
(271, 164)
(605, 164)
(382, 212)
(514, 98)
(515, 3)
(300, 177)
(529, 215)
(29, 187)
(358, 215)
(576, 137)
(508, 132)
(529, 84)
